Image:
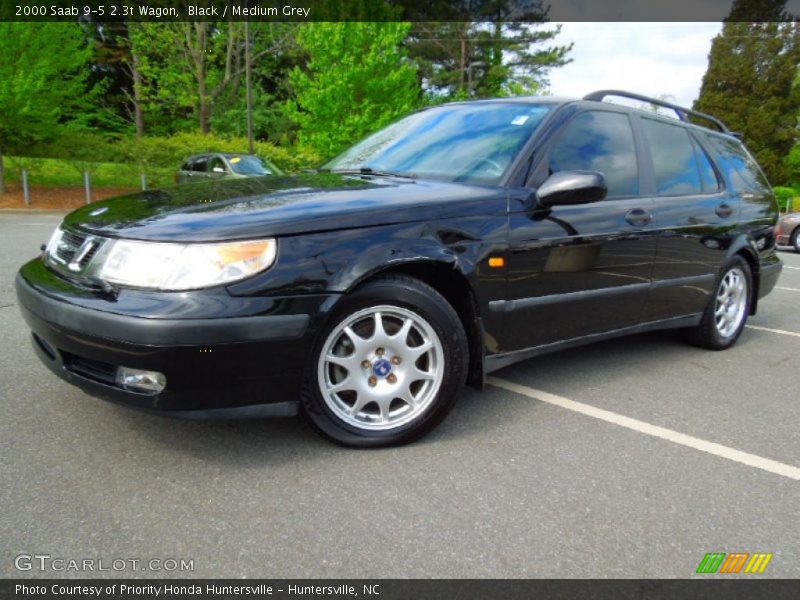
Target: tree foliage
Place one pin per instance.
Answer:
(189, 67)
(506, 52)
(350, 64)
(43, 83)
(749, 81)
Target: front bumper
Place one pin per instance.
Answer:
(247, 365)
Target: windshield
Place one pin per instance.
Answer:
(463, 142)
(248, 165)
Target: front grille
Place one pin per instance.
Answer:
(91, 369)
(69, 245)
(72, 252)
(88, 256)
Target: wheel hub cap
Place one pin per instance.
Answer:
(382, 367)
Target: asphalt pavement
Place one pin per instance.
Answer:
(629, 458)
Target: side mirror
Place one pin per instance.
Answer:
(572, 187)
(217, 170)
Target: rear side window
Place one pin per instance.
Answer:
(199, 164)
(738, 166)
(708, 175)
(599, 141)
(675, 161)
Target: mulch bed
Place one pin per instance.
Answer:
(55, 198)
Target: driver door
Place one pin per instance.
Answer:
(580, 270)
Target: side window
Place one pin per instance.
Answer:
(216, 163)
(708, 176)
(599, 141)
(739, 167)
(187, 166)
(674, 159)
(199, 164)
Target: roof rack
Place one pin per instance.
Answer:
(679, 110)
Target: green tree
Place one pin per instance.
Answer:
(187, 67)
(357, 79)
(43, 83)
(749, 81)
(495, 56)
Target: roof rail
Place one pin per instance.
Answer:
(679, 110)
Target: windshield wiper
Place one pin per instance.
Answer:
(374, 172)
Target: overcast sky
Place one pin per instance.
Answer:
(648, 58)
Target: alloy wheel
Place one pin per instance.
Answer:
(381, 368)
(731, 303)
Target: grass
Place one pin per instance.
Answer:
(59, 173)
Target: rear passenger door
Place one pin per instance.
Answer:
(579, 270)
(693, 217)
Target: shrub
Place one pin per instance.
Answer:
(169, 152)
(787, 198)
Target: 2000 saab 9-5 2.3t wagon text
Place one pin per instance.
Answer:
(452, 243)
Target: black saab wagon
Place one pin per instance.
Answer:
(452, 243)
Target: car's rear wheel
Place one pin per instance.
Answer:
(727, 310)
(796, 240)
(388, 367)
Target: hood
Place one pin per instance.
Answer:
(229, 209)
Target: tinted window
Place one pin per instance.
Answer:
(738, 166)
(199, 164)
(599, 141)
(674, 159)
(708, 176)
(458, 142)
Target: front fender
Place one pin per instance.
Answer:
(336, 261)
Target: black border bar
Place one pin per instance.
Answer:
(383, 10)
(731, 588)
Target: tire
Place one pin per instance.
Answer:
(726, 313)
(387, 367)
(796, 240)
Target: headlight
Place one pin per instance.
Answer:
(175, 267)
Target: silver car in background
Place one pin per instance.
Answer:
(218, 165)
(789, 231)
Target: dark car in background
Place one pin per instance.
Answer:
(454, 242)
(217, 165)
(789, 231)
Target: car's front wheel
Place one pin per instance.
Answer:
(796, 240)
(388, 367)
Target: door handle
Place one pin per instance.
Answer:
(638, 216)
(724, 210)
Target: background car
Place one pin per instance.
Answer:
(218, 165)
(789, 231)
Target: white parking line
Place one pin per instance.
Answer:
(781, 331)
(777, 287)
(676, 437)
(785, 266)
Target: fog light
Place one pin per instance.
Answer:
(137, 380)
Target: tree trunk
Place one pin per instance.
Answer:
(463, 62)
(138, 115)
(2, 174)
(205, 111)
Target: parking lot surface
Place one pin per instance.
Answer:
(628, 458)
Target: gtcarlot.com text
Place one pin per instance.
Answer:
(57, 564)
